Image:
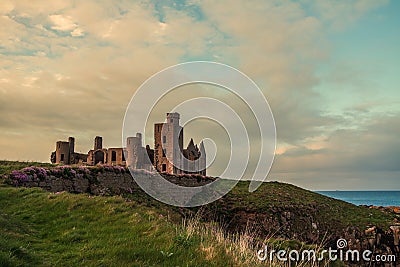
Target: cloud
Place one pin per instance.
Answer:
(370, 148)
(54, 84)
(65, 24)
(340, 14)
(62, 23)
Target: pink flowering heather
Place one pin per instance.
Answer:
(36, 172)
(56, 172)
(19, 177)
(66, 171)
(108, 168)
(119, 169)
(83, 170)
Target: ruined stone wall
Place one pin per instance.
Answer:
(115, 156)
(97, 180)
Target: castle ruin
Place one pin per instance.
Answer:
(168, 155)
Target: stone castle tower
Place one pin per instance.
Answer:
(168, 142)
(65, 153)
(168, 149)
(137, 157)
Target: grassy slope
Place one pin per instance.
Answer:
(274, 195)
(259, 210)
(267, 196)
(43, 229)
(47, 229)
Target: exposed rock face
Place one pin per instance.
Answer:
(389, 209)
(292, 223)
(396, 234)
(109, 183)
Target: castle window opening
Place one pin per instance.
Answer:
(98, 157)
(164, 167)
(164, 139)
(62, 157)
(113, 156)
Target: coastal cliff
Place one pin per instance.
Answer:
(277, 210)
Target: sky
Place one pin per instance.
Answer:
(329, 70)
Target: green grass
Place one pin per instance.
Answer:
(45, 229)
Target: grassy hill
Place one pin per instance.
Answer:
(290, 211)
(46, 229)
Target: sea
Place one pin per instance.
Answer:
(376, 198)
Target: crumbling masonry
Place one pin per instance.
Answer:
(167, 156)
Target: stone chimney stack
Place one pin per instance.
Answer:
(98, 143)
(71, 149)
(139, 136)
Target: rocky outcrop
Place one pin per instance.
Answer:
(94, 180)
